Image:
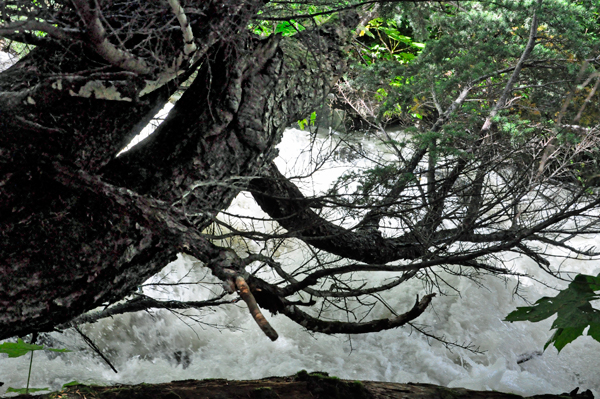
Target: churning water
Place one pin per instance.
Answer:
(159, 346)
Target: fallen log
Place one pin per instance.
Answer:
(302, 385)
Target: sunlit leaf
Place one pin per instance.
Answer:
(289, 28)
(302, 123)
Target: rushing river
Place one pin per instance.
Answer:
(159, 346)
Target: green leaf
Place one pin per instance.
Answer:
(70, 384)
(381, 94)
(62, 350)
(594, 331)
(542, 309)
(394, 34)
(289, 28)
(378, 47)
(19, 348)
(404, 56)
(23, 391)
(594, 282)
(398, 81)
(573, 310)
(564, 336)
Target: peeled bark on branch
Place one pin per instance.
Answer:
(257, 315)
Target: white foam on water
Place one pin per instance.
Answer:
(160, 346)
(150, 128)
(6, 60)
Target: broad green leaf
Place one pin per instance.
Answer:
(394, 34)
(564, 336)
(594, 331)
(21, 348)
(594, 282)
(573, 310)
(542, 309)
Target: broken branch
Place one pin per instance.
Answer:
(247, 296)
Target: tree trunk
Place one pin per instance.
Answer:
(79, 227)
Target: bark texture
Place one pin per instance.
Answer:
(79, 227)
(300, 386)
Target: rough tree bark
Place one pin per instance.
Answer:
(302, 385)
(79, 227)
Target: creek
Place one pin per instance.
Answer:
(160, 346)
